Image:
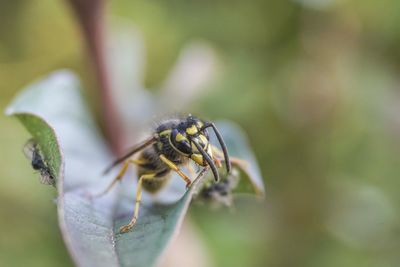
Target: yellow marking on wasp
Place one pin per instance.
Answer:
(204, 139)
(209, 150)
(165, 132)
(159, 145)
(179, 137)
(198, 158)
(192, 130)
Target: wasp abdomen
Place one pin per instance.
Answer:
(156, 184)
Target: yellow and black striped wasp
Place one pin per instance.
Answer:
(173, 143)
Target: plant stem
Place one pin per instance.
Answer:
(90, 15)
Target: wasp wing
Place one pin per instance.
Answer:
(46, 178)
(29, 147)
(131, 152)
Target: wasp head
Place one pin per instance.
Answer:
(190, 138)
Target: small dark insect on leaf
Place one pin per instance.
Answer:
(220, 193)
(32, 152)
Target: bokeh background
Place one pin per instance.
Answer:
(315, 85)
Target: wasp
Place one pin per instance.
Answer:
(32, 152)
(175, 142)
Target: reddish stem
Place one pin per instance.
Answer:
(90, 15)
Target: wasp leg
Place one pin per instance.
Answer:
(119, 176)
(217, 162)
(242, 164)
(176, 169)
(235, 161)
(132, 223)
(216, 151)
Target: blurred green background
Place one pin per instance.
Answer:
(314, 83)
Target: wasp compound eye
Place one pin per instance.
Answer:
(180, 142)
(184, 146)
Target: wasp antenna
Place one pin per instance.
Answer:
(134, 150)
(209, 160)
(221, 143)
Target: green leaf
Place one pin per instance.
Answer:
(54, 112)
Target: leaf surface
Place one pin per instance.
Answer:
(54, 112)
